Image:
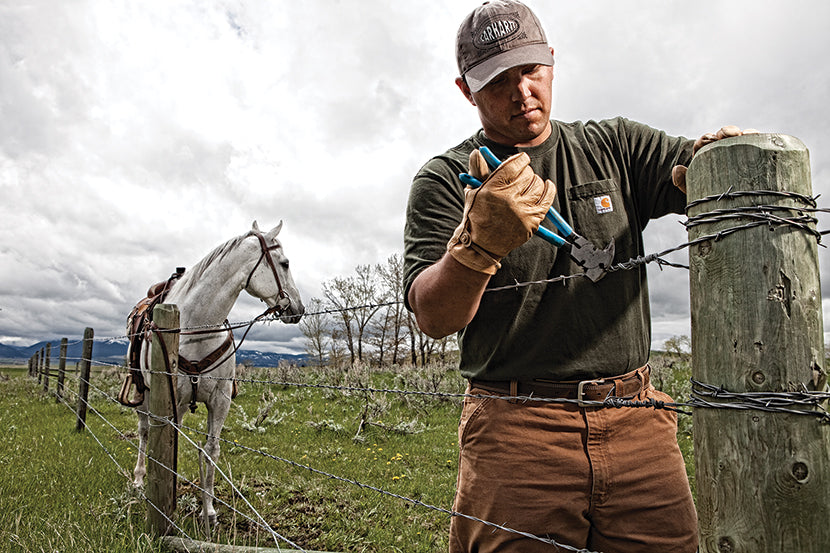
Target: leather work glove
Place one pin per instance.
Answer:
(501, 214)
(678, 174)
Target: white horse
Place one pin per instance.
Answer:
(253, 262)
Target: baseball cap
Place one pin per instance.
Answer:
(496, 36)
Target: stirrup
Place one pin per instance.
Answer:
(124, 394)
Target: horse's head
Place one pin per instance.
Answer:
(270, 279)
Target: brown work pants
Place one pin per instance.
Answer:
(605, 479)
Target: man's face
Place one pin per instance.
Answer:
(514, 107)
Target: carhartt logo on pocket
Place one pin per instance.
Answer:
(603, 204)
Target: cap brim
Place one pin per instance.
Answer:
(477, 77)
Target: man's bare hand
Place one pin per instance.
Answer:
(678, 174)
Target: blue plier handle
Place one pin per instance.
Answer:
(552, 215)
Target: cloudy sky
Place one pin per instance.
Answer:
(136, 136)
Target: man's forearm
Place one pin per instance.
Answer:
(445, 297)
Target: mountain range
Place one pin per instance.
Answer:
(115, 351)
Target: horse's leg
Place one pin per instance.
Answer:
(143, 429)
(218, 406)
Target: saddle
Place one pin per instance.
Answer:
(138, 323)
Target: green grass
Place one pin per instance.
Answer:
(61, 491)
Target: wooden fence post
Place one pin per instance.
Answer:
(61, 372)
(40, 366)
(31, 365)
(762, 478)
(83, 379)
(162, 438)
(46, 367)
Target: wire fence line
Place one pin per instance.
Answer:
(801, 402)
(703, 395)
(121, 470)
(260, 521)
(395, 495)
(759, 215)
(766, 402)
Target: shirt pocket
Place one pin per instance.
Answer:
(599, 213)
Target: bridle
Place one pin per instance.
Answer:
(284, 301)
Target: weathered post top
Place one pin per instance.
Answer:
(758, 281)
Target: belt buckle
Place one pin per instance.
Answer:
(580, 391)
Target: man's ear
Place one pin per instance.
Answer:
(465, 89)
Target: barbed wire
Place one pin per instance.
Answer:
(181, 428)
(762, 401)
(731, 193)
(762, 215)
(410, 500)
(121, 469)
(782, 402)
(759, 213)
(208, 459)
(801, 402)
(264, 525)
(770, 401)
(704, 395)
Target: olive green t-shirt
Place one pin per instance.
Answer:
(612, 177)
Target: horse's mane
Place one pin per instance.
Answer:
(192, 276)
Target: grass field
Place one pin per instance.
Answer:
(63, 491)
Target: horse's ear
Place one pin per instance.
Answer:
(255, 226)
(275, 231)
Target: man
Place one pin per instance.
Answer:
(611, 480)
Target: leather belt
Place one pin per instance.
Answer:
(625, 386)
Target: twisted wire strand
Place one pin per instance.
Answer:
(611, 401)
(381, 491)
(762, 214)
(121, 469)
(809, 200)
(760, 401)
(181, 427)
(165, 421)
(804, 402)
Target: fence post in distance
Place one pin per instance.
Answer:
(46, 367)
(61, 371)
(83, 380)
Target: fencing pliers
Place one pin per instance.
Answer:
(593, 261)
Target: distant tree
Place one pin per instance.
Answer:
(395, 315)
(369, 321)
(370, 297)
(678, 345)
(337, 353)
(315, 327)
(355, 299)
(340, 296)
